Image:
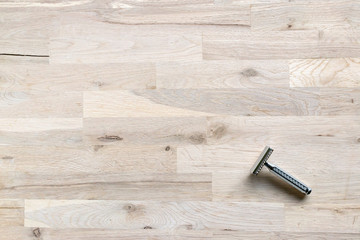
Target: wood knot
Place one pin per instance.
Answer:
(130, 208)
(338, 210)
(97, 147)
(110, 138)
(98, 83)
(150, 87)
(217, 130)
(249, 72)
(197, 138)
(325, 135)
(358, 140)
(321, 34)
(189, 227)
(167, 148)
(36, 232)
(289, 26)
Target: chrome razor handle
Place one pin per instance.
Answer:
(288, 178)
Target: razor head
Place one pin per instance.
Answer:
(264, 156)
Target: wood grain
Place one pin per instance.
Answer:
(30, 233)
(11, 212)
(92, 41)
(41, 131)
(184, 103)
(342, 43)
(140, 215)
(145, 131)
(128, 119)
(228, 157)
(305, 15)
(86, 5)
(222, 235)
(97, 159)
(336, 218)
(149, 12)
(340, 102)
(41, 104)
(246, 44)
(334, 72)
(106, 186)
(222, 74)
(23, 59)
(305, 130)
(228, 14)
(237, 184)
(77, 77)
(24, 33)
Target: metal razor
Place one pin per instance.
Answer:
(263, 160)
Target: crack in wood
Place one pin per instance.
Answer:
(22, 55)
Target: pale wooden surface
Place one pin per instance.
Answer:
(127, 119)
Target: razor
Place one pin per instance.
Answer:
(263, 161)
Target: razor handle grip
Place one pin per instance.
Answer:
(288, 178)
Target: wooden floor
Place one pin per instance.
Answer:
(141, 119)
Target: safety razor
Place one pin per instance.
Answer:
(263, 160)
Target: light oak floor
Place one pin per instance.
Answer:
(141, 119)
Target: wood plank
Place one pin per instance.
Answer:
(38, 5)
(245, 44)
(228, 157)
(23, 59)
(82, 5)
(40, 131)
(133, 119)
(340, 101)
(76, 77)
(106, 186)
(38, 104)
(222, 235)
(190, 14)
(343, 43)
(98, 159)
(122, 104)
(95, 4)
(139, 215)
(31, 233)
(183, 103)
(222, 74)
(148, 12)
(91, 41)
(235, 144)
(231, 177)
(333, 72)
(278, 131)
(24, 33)
(11, 212)
(324, 218)
(145, 131)
(305, 15)
(28, 233)
(239, 185)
